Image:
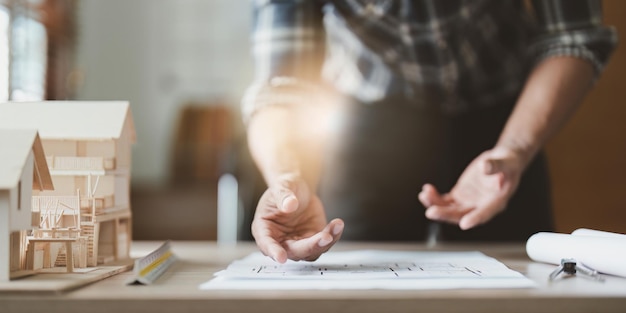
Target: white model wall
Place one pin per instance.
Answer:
(21, 215)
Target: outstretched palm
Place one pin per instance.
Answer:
(290, 223)
(481, 192)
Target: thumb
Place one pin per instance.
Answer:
(286, 200)
(289, 191)
(288, 203)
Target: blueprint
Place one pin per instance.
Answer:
(371, 269)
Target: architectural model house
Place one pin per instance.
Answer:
(88, 151)
(22, 169)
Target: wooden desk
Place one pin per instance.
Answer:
(176, 290)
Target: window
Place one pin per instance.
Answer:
(37, 49)
(19, 195)
(5, 23)
(28, 66)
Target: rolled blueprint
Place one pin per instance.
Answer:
(605, 254)
(597, 233)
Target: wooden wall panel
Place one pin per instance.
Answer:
(588, 157)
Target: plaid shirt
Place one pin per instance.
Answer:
(453, 55)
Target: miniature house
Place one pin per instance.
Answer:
(22, 169)
(88, 150)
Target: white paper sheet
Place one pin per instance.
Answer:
(370, 269)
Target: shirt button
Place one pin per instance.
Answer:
(391, 55)
(372, 10)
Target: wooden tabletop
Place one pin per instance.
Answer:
(177, 290)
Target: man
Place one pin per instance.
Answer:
(449, 101)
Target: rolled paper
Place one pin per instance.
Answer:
(605, 254)
(596, 233)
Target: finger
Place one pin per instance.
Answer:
(277, 252)
(472, 219)
(312, 247)
(272, 248)
(334, 229)
(307, 248)
(451, 213)
(265, 240)
(478, 216)
(430, 196)
(425, 197)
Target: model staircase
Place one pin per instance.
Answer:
(61, 259)
(87, 230)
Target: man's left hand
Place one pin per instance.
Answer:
(482, 191)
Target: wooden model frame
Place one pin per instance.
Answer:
(87, 146)
(23, 167)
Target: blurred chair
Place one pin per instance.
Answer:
(201, 143)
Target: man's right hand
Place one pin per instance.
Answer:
(290, 222)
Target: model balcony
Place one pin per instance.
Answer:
(56, 212)
(48, 203)
(96, 205)
(78, 164)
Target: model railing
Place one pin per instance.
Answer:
(80, 163)
(46, 203)
(50, 210)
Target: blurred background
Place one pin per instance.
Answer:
(183, 66)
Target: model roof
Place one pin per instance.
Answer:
(79, 120)
(15, 145)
